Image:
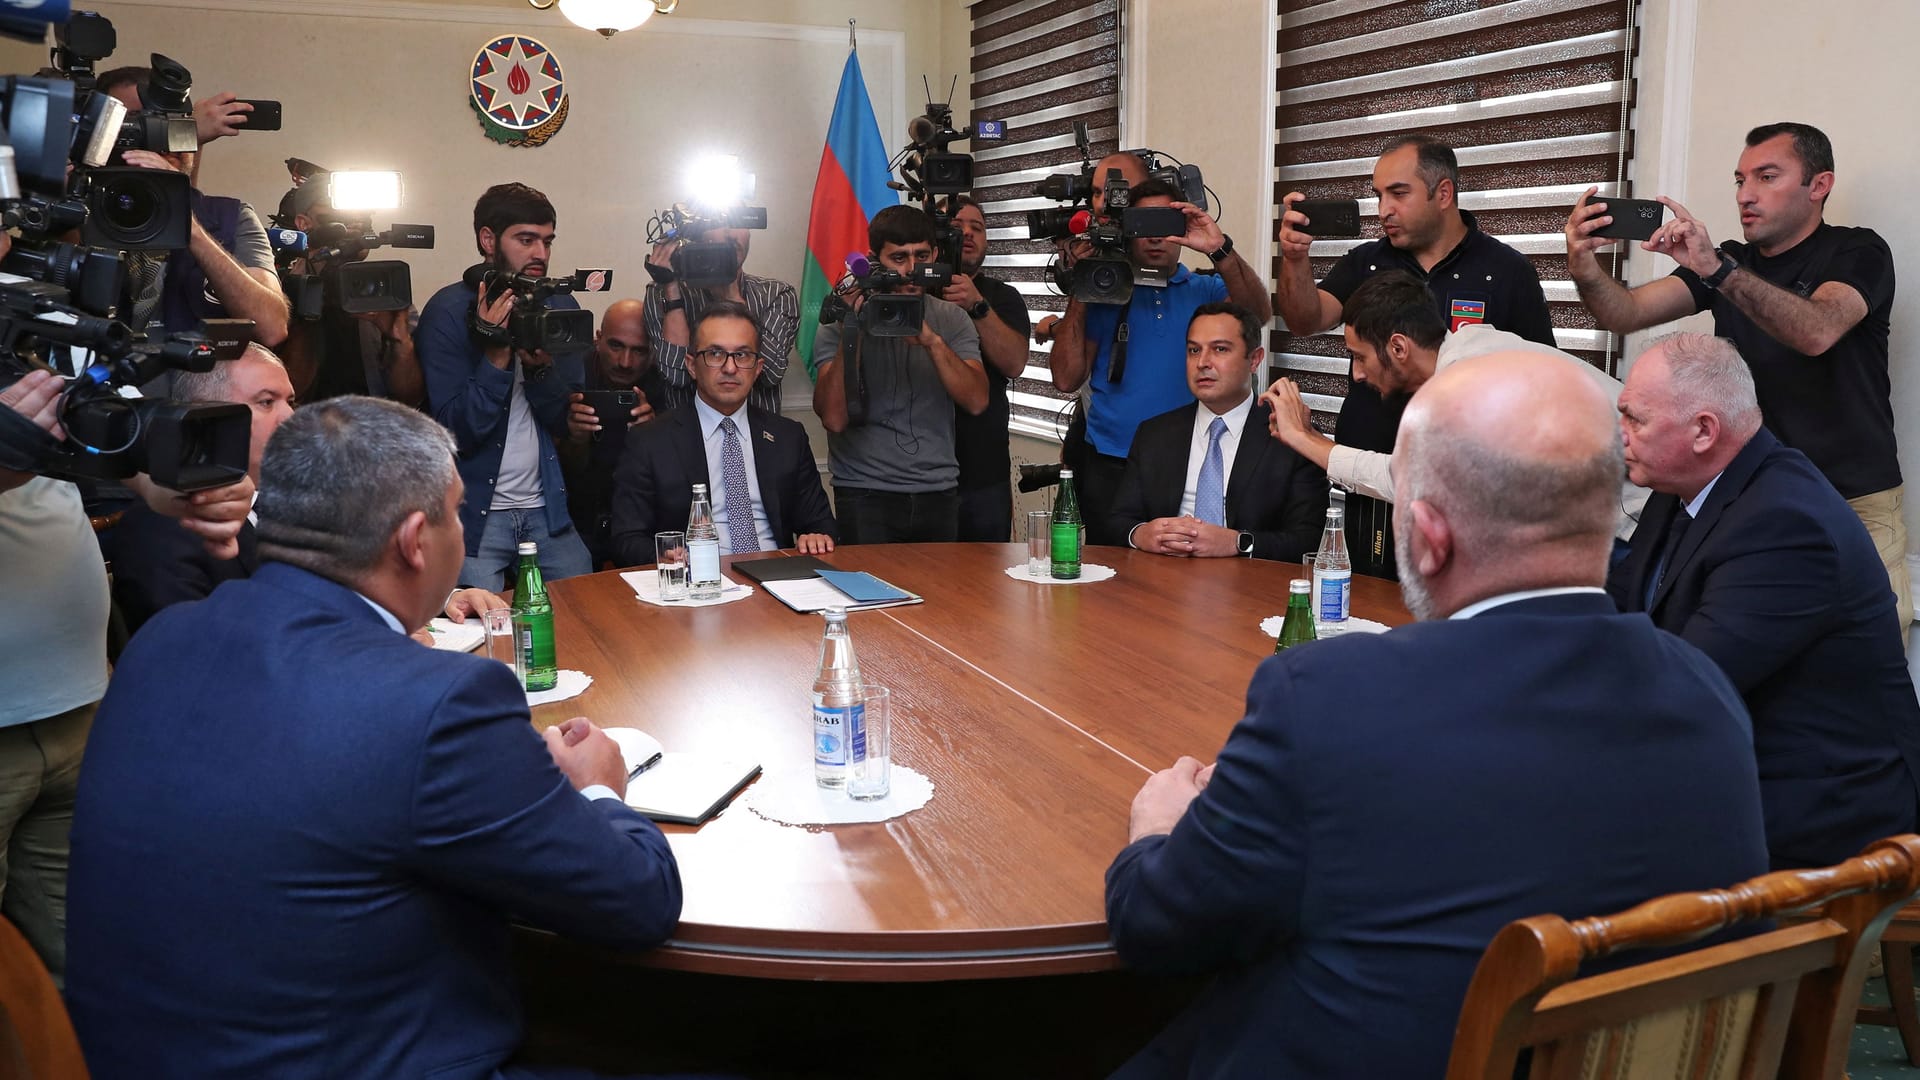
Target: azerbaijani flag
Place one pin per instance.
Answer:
(850, 189)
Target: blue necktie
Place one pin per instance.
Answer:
(1210, 498)
(733, 481)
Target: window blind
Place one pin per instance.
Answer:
(1535, 97)
(1040, 66)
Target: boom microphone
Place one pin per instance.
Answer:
(1080, 222)
(858, 266)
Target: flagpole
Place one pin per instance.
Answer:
(852, 45)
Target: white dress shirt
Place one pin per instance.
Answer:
(712, 438)
(1479, 606)
(1236, 419)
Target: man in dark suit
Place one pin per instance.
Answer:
(1202, 480)
(1749, 553)
(278, 871)
(764, 484)
(157, 562)
(1390, 801)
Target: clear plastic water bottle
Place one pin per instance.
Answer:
(839, 711)
(1333, 575)
(703, 547)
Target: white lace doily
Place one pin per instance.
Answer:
(646, 586)
(1089, 572)
(791, 797)
(1270, 626)
(571, 685)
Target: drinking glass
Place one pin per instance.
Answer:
(870, 757)
(670, 555)
(502, 642)
(1039, 543)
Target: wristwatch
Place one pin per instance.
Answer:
(1728, 264)
(1226, 249)
(979, 310)
(678, 303)
(1245, 546)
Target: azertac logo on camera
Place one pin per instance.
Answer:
(517, 91)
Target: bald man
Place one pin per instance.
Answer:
(622, 360)
(1390, 801)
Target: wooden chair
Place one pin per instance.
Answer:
(1780, 1003)
(1896, 951)
(36, 1038)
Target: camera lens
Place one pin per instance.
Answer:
(129, 207)
(1105, 277)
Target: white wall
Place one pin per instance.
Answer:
(1198, 85)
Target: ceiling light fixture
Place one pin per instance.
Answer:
(608, 17)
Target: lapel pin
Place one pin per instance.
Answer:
(767, 435)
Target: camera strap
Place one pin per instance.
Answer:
(853, 371)
(486, 333)
(1122, 333)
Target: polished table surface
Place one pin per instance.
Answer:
(1037, 711)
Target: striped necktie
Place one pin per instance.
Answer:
(733, 481)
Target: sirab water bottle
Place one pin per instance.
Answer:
(533, 621)
(703, 548)
(1069, 533)
(1332, 575)
(839, 711)
(1297, 627)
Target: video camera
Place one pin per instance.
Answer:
(530, 325)
(929, 168)
(1106, 274)
(884, 311)
(703, 264)
(331, 273)
(59, 300)
(334, 275)
(185, 446)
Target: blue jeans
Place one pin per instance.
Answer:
(562, 554)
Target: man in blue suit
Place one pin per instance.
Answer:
(1749, 553)
(281, 871)
(758, 466)
(1389, 802)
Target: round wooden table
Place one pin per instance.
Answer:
(1037, 711)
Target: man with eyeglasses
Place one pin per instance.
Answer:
(757, 465)
(890, 437)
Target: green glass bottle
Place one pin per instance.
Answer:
(1068, 531)
(1298, 626)
(533, 622)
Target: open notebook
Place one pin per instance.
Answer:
(684, 789)
(806, 584)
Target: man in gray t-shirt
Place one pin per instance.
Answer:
(890, 448)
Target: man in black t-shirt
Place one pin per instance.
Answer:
(1473, 278)
(980, 442)
(1808, 305)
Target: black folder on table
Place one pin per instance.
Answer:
(791, 568)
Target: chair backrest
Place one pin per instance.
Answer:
(1779, 1003)
(36, 1038)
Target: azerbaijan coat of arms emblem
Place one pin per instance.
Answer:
(518, 91)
